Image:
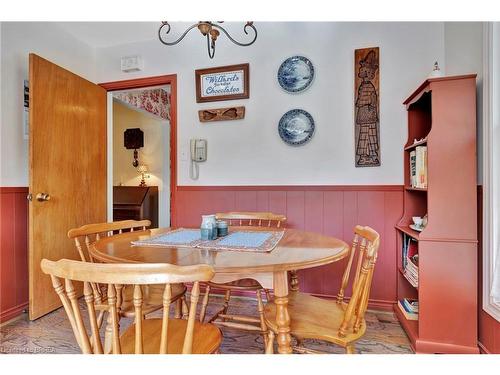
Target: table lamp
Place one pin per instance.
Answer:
(142, 169)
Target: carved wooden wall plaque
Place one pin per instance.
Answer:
(367, 107)
(221, 114)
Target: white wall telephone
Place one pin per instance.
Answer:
(198, 154)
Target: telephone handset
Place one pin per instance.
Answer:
(198, 154)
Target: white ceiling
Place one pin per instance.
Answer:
(106, 34)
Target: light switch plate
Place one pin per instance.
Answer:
(184, 154)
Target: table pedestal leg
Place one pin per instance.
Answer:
(282, 316)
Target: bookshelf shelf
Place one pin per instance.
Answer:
(409, 188)
(449, 241)
(410, 232)
(413, 145)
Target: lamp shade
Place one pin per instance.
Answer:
(142, 168)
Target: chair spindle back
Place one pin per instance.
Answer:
(86, 235)
(90, 233)
(259, 219)
(64, 272)
(365, 246)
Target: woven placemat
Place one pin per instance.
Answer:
(173, 238)
(251, 241)
(240, 240)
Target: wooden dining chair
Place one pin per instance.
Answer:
(85, 236)
(244, 322)
(164, 336)
(335, 321)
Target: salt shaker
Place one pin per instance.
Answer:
(222, 228)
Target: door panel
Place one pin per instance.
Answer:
(67, 162)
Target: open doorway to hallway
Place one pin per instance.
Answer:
(141, 155)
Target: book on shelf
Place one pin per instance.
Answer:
(418, 167)
(411, 304)
(411, 278)
(410, 249)
(408, 312)
(411, 271)
(411, 267)
(413, 168)
(409, 254)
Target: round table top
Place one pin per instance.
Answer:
(296, 250)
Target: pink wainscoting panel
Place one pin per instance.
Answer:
(13, 252)
(7, 253)
(262, 201)
(245, 201)
(331, 210)
(489, 333)
(277, 201)
(295, 208)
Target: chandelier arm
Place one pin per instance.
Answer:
(244, 29)
(168, 30)
(210, 48)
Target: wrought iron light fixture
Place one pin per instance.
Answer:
(208, 29)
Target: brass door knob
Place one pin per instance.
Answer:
(42, 197)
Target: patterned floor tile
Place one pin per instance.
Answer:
(52, 334)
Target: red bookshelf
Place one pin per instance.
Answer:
(442, 116)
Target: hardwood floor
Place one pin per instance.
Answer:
(52, 334)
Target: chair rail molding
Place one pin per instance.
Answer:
(491, 155)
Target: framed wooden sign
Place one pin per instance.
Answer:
(222, 83)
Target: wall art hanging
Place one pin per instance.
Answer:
(367, 107)
(296, 127)
(26, 109)
(221, 114)
(296, 74)
(222, 83)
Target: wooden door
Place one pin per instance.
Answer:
(67, 143)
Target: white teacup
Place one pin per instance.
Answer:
(418, 221)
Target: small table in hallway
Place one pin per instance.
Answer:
(295, 251)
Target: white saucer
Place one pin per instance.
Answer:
(418, 229)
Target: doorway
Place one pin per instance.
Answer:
(158, 154)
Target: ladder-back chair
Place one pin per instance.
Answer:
(338, 322)
(244, 322)
(164, 336)
(85, 236)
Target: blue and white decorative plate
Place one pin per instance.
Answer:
(296, 127)
(296, 74)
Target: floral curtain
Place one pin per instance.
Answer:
(154, 101)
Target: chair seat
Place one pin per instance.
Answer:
(314, 318)
(206, 337)
(242, 284)
(152, 295)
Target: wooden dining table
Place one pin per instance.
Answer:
(296, 250)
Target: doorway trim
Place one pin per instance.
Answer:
(170, 79)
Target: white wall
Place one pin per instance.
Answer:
(18, 39)
(249, 151)
(463, 55)
(155, 154)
